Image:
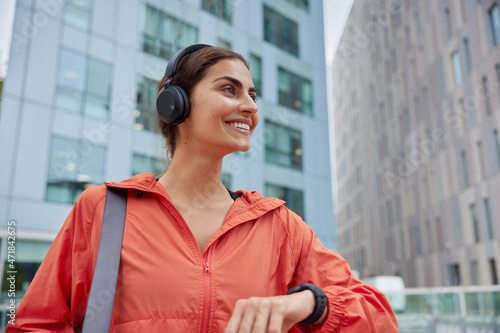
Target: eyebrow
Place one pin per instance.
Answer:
(235, 81)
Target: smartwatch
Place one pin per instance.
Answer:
(319, 296)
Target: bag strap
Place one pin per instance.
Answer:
(102, 292)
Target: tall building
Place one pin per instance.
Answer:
(78, 105)
(417, 115)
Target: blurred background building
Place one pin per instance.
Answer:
(78, 105)
(417, 115)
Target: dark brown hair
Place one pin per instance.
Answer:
(192, 68)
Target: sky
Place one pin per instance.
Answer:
(335, 15)
(6, 19)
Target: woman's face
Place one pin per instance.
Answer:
(223, 111)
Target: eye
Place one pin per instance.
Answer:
(229, 89)
(254, 97)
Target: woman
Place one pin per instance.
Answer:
(195, 256)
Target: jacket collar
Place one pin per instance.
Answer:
(250, 205)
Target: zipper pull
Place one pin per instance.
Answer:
(207, 269)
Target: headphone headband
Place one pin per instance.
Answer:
(176, 58)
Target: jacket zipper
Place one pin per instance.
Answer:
(205, 319)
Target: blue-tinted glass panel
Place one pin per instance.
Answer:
(72, 70)
(64, 158)
(142, 163)
(494, 15)
(455, 58)
(81, 4)
(163, 35)
(224, 43)
(96, 107)
(145, 113)
(294, 198)
(281, 31)
(302, 4)
(255, 65)
(68, 100)
(99, 78)
(77, 17)
(283, 146)
(92, 163)
(74, 166)
(220, 8)
(295, 92)
(226, 180)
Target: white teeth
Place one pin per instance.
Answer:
(240, 125)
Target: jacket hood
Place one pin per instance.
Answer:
(249, 205)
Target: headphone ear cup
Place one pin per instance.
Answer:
(172, 105)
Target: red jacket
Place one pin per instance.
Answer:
(166, 284)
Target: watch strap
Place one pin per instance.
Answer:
(319, 296)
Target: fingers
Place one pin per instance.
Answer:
(257, 315)
(277, 317)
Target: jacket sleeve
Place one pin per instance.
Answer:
(56, 298)
(354, 306)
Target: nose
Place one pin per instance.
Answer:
(248, 105)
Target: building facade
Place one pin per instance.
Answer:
(78, 106)
(417, 115)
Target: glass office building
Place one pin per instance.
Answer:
(78, 105)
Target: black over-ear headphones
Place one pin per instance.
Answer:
(172, 102)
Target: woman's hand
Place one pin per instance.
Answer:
(275, 314)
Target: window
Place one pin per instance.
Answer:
(224, 43)
(142, 163)
(481, 159)
(447, 18)
(283, 146)
(256, 72)
(281, 31)
(439, 233)
(407, 120)
(430, 236)
(295, 92)
(226, 179)
(84, 85)
(418, 240)
(294, 198)
(474, 273)
(464, 168)
(145, 113)
(74, 166)
(486, 94)
(29, 256)
(475, 223)
(454, 274)
(455, 59)
(77, 13)
(494, 15)
(162, 35)
(497, 67)
(489, 222)
(462, 10)
(302, 4)
(497, 145)
(221, 8)
(493, 269)
(468, 59)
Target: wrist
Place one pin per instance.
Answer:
(316, 307)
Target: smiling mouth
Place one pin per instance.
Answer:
(240, 126)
